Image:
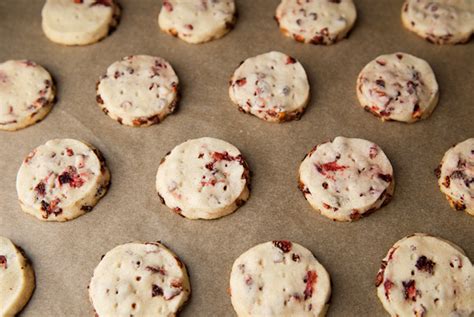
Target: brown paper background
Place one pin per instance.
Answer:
(65, 254)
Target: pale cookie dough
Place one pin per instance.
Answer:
(398, 87)
(17, 279)
(26, 94)
(316, 21)
(138, 90)
(440, 21)
(196, 21)
(61, 180)
(425, 276)
(140, 280)
(79, 22)
(272, 86)
(279, 278)
(347, 178)
(456, 176)
(203, 178)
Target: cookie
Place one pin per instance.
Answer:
(279, 278)
(440, 21)
(17, 280)
(140, 280)
(316, 21)
(26, 94)
(138, 90)
(272, 86)
(347, 178)
(197, 21)
(61, 180)
(426, 276)
(203, 178)
(79, 22)
(398, 87)
(456, 176)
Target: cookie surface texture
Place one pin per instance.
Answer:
(279, 278)
(61, 180)
(347, 178)
(426, 276)
(456, 176)
(316, 21)
(271, 86)
(138, 90)
(79, 22)
(27, 94)
(440, 21)
(17, 280)
(197, 21)
(398, 87)
(141, 280)
(203, 178)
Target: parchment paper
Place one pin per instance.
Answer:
(65, 254)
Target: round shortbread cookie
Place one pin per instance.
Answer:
(272, 86)
(197, 21)
(26, 94)
(79, 22)
(17, 279)
(316, 21)
(426, 276)
(347, 178)
(61, 180)
(140, 280)
(279, 278)
(203, 178)
(456, 176)
(440, 21)
(138, 90)
(398, 87)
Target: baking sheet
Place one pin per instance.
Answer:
(65, 254)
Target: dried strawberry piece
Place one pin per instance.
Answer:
(71, 177)
(168, 6)
(310, 279)
(332, 167)
(156, 290)
(78, 1)
(283, 245)
(387, 285)
(160, 270)
(51, 208)
(40, 189)
(385, 177)
(69, 152)
(240, 82)
(3, 262)
(425, 264)
(410, 290)
(373, 151)
(290, 60)
(189, 26)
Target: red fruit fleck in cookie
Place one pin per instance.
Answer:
(387, 285)
(290, 60)
(425, 264)
(3, 262)
(168, 6)
(240, 82)
(283, 245)
(410, 290)
(156, 290)
(310, 279)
